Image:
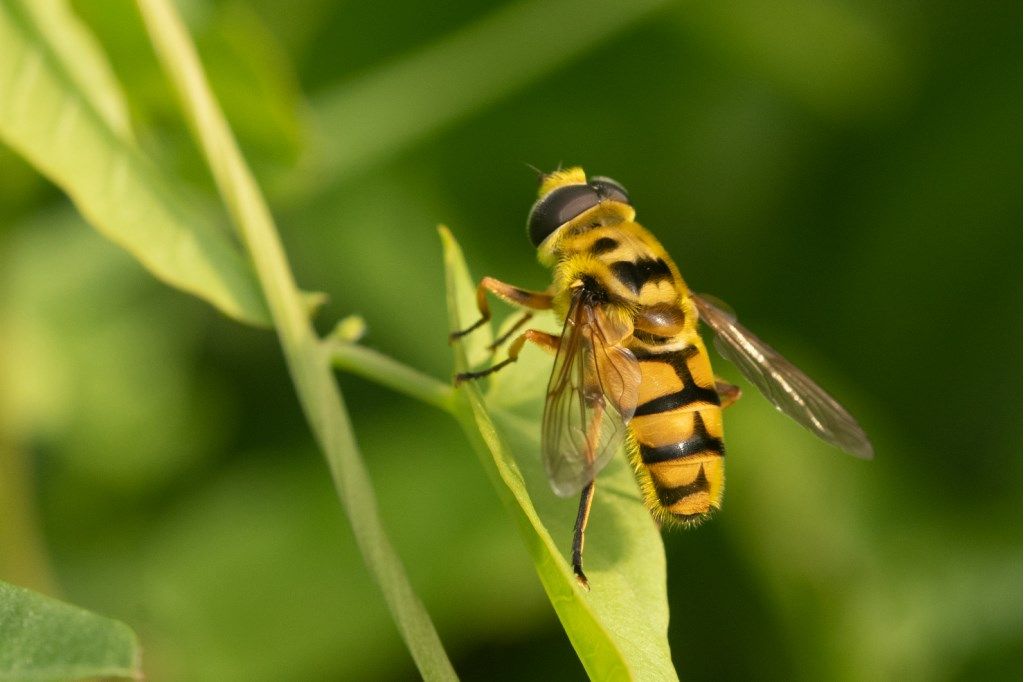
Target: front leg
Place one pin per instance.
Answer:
(548, 342)
(523, 298)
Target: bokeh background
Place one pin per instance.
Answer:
(845, 173)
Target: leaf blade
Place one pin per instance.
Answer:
(81, 58)
(46, 118)
(46, 639)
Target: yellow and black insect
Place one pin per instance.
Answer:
(630, 362)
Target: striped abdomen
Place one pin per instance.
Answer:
(676, 433)
(675, 439)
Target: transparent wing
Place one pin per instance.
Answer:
(789, 389)
(591, 395)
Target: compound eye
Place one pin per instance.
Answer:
(558, 208)
(609, 189)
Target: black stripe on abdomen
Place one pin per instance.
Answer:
(699, 443)
(669, 496)
(689, 394)
(635, 274)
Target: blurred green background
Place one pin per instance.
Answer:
(845, 173)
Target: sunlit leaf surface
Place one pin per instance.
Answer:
(46, 116)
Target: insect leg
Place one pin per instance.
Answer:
(507, 292)
(727, 393)
(512, 330)
(548, 342)
(582, 516)
(587, 496)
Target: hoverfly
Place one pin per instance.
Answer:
(630, 362)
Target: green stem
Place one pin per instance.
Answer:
(307, 361)
(386, 371)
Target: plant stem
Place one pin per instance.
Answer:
(307, 361)
(387, 371)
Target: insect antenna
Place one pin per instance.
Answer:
(540, 174)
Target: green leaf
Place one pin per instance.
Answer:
(462, 300)
(80, 57)
(45, 639)
(307, 357)
(50, 114)
(250, 72)
(620, 628)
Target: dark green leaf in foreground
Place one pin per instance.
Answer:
(78, 140)
(620, 628)
(45, 639)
